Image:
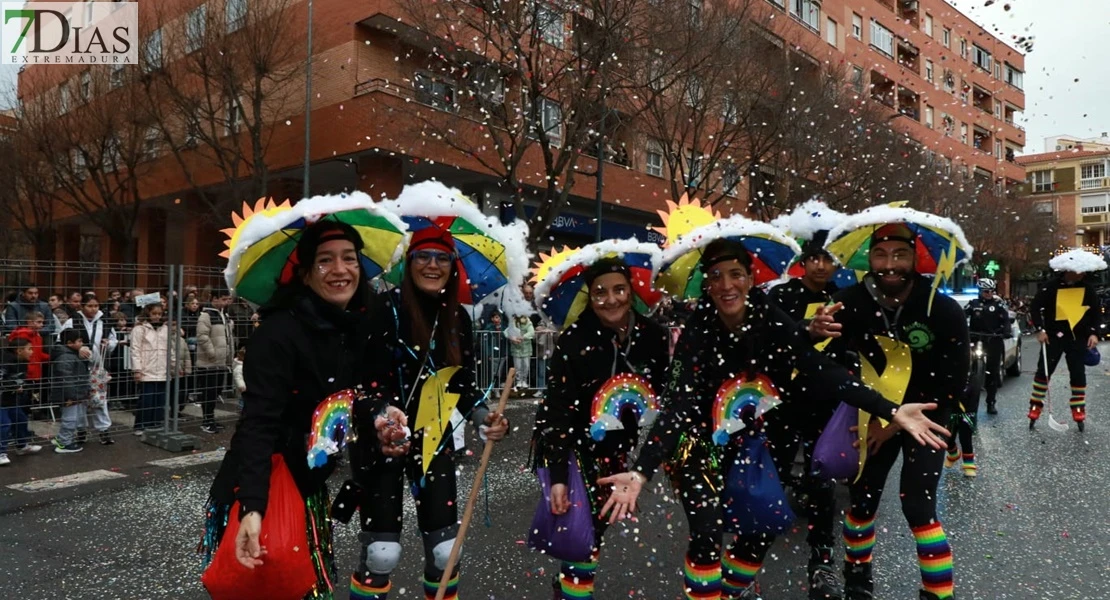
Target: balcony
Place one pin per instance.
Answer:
(983, 100)
(882, 89)
(908, 11)
(909, 104)
(1094, 183)
(907, 55)
(982, 140)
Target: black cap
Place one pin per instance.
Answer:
(723, 249)
(604, 266)
(816, 245)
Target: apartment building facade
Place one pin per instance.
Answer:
(949, 84)
(1072, 187)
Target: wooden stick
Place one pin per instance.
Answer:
(478, 475)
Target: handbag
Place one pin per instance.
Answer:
(754, 501)
(833, 455)
(98, 382)
(568, 537)
(287, 571)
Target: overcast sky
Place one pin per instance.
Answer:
(1067, 82)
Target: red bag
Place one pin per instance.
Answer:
(287, 572)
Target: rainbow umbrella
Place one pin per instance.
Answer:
(806, 222)
(261, 246)
(561, 289)
(490, 255)
(770, 249)
(939, 243)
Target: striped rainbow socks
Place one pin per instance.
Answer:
(859, 539)
(1078, 402)
(738, 574)
(576, 579)
(970, 470)
(702, 582)
(365, 591)
(935, 559)
(1036, 401)
(452, 593)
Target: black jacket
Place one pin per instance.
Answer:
(988, 316)
(70, 380)
(1047, 300)
(301, 354)
(770, 344)
(13, 374)
(940, 355)
(586, 355)
(798, 301)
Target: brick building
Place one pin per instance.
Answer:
(949, 84)
(1072, 186)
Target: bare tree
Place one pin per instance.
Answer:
(537, 86)
(24, 200)
(217, 94)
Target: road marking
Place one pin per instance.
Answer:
(189, 460)
(57, 483)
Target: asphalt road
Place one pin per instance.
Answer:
(1033, 525)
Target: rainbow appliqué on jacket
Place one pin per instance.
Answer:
(737, 395)
(626, 390)
(331, 427)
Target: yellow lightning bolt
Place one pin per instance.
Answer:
(945, 266)
(436, 406)
(1069, 306)
(892, 384)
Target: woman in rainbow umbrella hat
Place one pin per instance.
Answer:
(734, 349)
(309, 267)
(431, 370)
(606, 366)
(912, 345)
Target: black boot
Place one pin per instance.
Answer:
(858, 582)
(824, 584)
(991, 410)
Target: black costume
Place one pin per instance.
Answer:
(1053, 306)
(709, 354)
(989, 323)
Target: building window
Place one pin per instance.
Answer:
(196, 25)
(981, 58)
(551, 25)
(115, 78)
(1091, 175)
(963, 132)
(234, 116)
(997, 109)
(152, 141)
(694, 166)
(929, 116)
(1041, 180)
(857, 26)
(857, 79)
(86, 85)
(63, 98)
(235, 14)
(80, 165)
(152, 52)
(949, 124)
(830, 31)
(929, 25)
(881, 39)
(946, 37)
(695, 92)
(808, 12)
(551, 120)
(1043, 208)
(997, 70)
(928, 70)
(963, 47)
(730, 179)
(653, 162)
(1013, 76)
(193, 130)
(729, 112)
(998, 149)
(435, 91)
(1093, 204)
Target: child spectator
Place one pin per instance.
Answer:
(118, 361)
(520, 337)
(13, 394)
(100, 339)
(71, 388)
(32, 332)
(150, 344)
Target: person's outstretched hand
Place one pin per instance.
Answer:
(911, 419)
(823, 325)
(247, 548)
(393, 432)
(560, 501)
(622, 501)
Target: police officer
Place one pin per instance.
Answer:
(989, 323)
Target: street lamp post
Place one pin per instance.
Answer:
(598, 192)
(307, 104)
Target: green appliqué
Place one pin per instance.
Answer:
(919, 337)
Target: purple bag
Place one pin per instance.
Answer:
(568, 537)
(833, 456)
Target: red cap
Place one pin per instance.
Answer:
(432, 236)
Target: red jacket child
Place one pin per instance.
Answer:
(38, 357)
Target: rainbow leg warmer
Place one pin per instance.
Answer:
(935, 558)
(702, 582)
(366, 591)
(738, 573)
(576, 579)
(452, 593)
(859, 539)
(969, 465)
(1079, 402)
(1036, 400)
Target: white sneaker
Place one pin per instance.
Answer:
(4, 460)
(29, 449)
